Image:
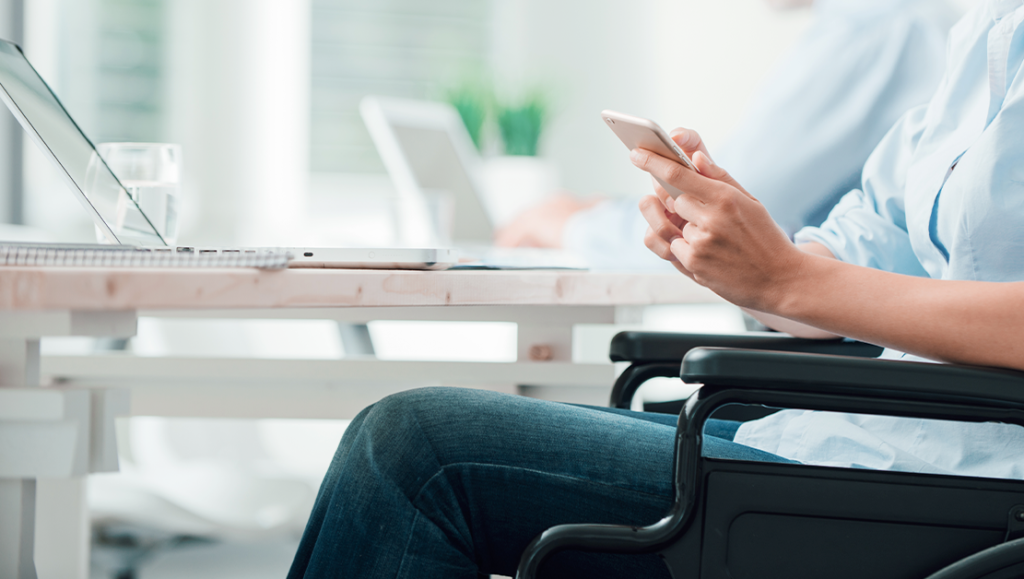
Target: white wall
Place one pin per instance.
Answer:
(239, 105)
(681, 62)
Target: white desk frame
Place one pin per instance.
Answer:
(50, 440)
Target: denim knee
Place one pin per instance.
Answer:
(386, 439)
(398, 411)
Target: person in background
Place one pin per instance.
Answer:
(802, 143)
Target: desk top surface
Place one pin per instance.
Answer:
(43, 288)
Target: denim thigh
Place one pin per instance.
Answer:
(444, 482)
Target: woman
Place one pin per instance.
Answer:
(925, 258)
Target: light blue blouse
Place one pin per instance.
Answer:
(803, 142)
(942, 196)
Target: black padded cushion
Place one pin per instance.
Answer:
(890, 379)
(654, 347)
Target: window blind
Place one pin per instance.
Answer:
(400, 48)
(129, 103)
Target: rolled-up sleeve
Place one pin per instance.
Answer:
(868, 226)
(855, 233)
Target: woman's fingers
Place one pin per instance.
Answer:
(689, 141)
(709, 169)
(658, 245)
(664, 227)
(667, 250)
(689, 209)
(663, 223)
(681, 250)
(659, 218)
(673, 173)
(666, 200)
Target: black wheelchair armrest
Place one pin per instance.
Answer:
(850, 376)
(657, 354)
(657, 347)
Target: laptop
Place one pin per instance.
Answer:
(102, 195)
(427, 151)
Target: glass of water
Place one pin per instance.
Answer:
(151, 174)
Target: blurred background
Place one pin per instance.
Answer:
(263, 97)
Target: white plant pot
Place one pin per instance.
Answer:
(513, 184)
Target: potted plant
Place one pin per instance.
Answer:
(519, 178)
(473, 101)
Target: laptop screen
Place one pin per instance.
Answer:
(51, 127)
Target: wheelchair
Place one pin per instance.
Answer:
(735, 519)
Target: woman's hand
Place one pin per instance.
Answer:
(716, 232)
(722, 237)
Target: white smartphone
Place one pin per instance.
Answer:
(641, 133)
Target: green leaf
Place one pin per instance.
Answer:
(522, 123)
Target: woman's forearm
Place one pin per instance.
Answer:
(966, 322)
(723, 238)
(792, 327)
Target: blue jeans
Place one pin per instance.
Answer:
(450, 483)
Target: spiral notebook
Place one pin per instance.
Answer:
(65, 255)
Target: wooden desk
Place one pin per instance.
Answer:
(69, 428)
(92, 289)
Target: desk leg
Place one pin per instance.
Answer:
(540, 344)
(356, 339)
(17, 522)
(19, 363)
(62, 529)
(44, 524)
(19, 366)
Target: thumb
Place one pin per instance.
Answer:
(709, 169)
